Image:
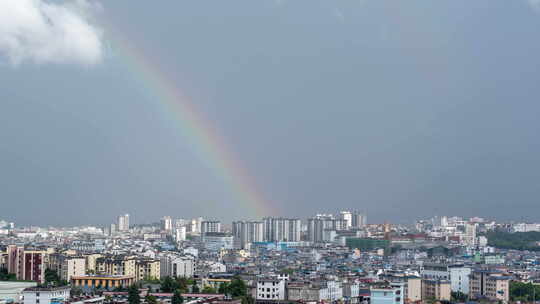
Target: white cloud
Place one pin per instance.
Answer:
(41, 31)
(535, 4)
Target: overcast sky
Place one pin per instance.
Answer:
(404, 109)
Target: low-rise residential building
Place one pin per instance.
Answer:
(139, 267)
(492, 285)
(435, 271)
(101, 281)
(387, 294)
(436, 290)
(11, 291)
(67, 266)
(270, 289)
(46, 295)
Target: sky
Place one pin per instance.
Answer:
(401, 109)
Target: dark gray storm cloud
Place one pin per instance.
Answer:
(401, 108)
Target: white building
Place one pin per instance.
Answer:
(191, 251)
(435, 271)
(174, 265)
(46, 295)
(331, 291)
(210, 227)
(11, 291)
(526, 227)
(216, 241)
(180, 234)
(166, 223)
(247, 232)
(387, 294)
(123, 222)
(459, 278)
(270, 289)
(72, 266)
(215, 266)
(281, 229)
(347, 216)
(183, 267)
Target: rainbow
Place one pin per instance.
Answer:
(208, 143)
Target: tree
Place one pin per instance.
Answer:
(169, 285)
(6, 276)
(133, 295)
(75, 291)
(208, 289)
(248, 300)
(195, 288)
(524, 292)
(237, 288)
(224, 288)
(287, 271)
(150, 299)
(459, 296)
(183, 284)
(177, 297)
(52, 278)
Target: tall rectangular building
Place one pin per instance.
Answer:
(247, 232)
(359, 220)
(210, 227)
(28, 265)
(281, 229)
(166, 223)
(123, 222)
(321, 223)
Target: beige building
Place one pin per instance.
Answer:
(106, 282)
(91, 262)
(436, 289)
(139, 268)
(147, 269)
(67, 265)
(413, 289)
(492, 285)
(72, 266)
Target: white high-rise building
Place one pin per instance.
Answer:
(174, 265)
(195, 226)
(113, 229)
(459, 278)
(346, 216)
(180, 223)
(281, 229)
(247, 232)
(469, 238)
(210, 226)
(359, 220)
(444, 221)
(180, 234)
(123, 222)
(166, 223)
(318, 225)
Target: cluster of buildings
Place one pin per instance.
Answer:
(322, 259)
